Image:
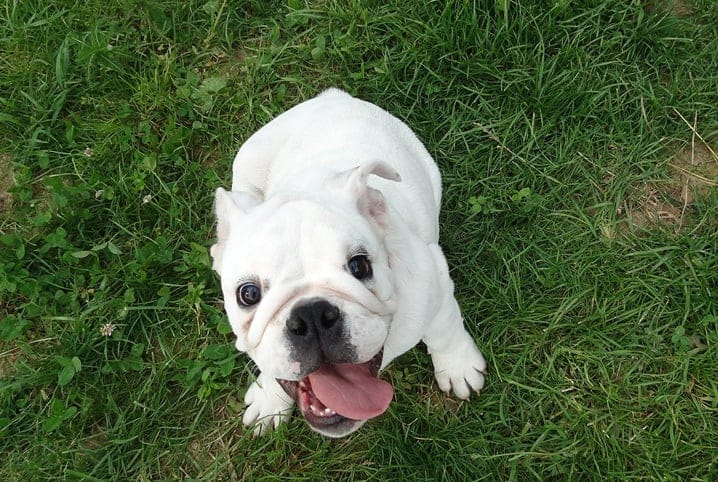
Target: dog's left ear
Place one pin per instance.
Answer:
(229, 206)
(370, 201)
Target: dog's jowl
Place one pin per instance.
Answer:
(327, 248)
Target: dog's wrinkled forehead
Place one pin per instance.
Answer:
(297, 235)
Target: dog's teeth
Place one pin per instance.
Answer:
(321, 412)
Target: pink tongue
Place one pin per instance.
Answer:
(351, 390)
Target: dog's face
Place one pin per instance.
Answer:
(308, 291)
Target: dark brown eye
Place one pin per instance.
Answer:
(360, 267)
(248, 294)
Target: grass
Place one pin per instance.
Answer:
(577, 142)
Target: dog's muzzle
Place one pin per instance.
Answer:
(337, 394)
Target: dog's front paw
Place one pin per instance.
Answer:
(461, 371)
(268, 405)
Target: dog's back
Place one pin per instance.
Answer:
(334, 132)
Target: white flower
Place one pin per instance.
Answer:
(107, 329)
(147, 199)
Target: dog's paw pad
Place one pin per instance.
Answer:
(266, 407)
(462, 372)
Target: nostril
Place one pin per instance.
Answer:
(297, 326)
(330, 316)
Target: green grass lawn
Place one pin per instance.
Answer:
(577, 141)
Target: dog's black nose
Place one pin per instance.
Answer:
(314, 317)
(316, 335)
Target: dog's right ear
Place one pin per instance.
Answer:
(229, 207)
(370, 201)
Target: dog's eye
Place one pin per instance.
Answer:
(248, 294)
(359, 266)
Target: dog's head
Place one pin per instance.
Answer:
(309, 292)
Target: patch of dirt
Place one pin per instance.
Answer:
(694, 174)
(695, 171)
(7, 181)
(677, 8)
(651, 207)
(680, 8)
(213, 445)
(8, 357)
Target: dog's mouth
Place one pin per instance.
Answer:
(339, 396)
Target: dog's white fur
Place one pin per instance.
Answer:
(331, 174)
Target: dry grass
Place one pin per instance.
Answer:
(7, 358)
(693, 175)
(7, 181)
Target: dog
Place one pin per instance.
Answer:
(328, 255)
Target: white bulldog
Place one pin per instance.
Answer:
(330, 265)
